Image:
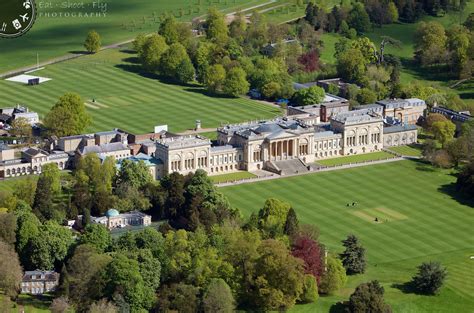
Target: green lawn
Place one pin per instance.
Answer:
(231, 177)
(30, 304)
(54, 35)
(382, 155)
(8, 185)
(411, 150)
(128, 100)
(422, 222)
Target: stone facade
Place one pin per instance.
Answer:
(39, 282)
(32, 161)
(400, 135)
(362, 131)
(114, 219)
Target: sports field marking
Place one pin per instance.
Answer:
(91, 106)
(364, 216)
(382, 214)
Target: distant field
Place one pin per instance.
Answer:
(128, 100)
(419, 220)
(59, 30)
(382, 155)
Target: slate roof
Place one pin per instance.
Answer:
(48, 276)
(104, 148)
(398, 128)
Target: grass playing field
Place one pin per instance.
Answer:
(61, 26)
(419, 220)
(128, 100)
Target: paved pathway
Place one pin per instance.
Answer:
(323, 169)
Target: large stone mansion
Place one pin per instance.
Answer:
(283, 145)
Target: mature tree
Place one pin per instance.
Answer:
(123, 276)
(43, 202)
(214, 78)
(136, 174)
(257, 31)
(465, 180)
(168, 29)
(21, 127)
(351, 65)
(11, 272)
(152, 50)
(469, 23)
(310, 289)
(430, 277)
(358, 18)
(27, 229)
(60, 305)
(353, 257)
(431, 119)
(218, 297)
(366, 96)
(51, 172)
(271, 90)
(180, 297)
(236, 83)
(51, 247)
(68, 116)
(443, 131)
(458, 45)
(172, 58)
(291, 223)
(309, 96)
(185, 71)
(128, 197)
(103, 306)
(392, 12)
(138, 43)
(85, 281)
(81, 195)
(311, 253)
(8, 226)
(216, 30)
(272, 217)
(309, 61)
(334, 277)
(96, 235)
(237, 27)
(368, 298)
(92, 42)
(279, 277)
(430, 43)
(25, 190)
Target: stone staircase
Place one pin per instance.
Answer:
(288, 167)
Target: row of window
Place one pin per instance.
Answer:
(218, 169)
(224, 159)
(28, 169)
(328, 144)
